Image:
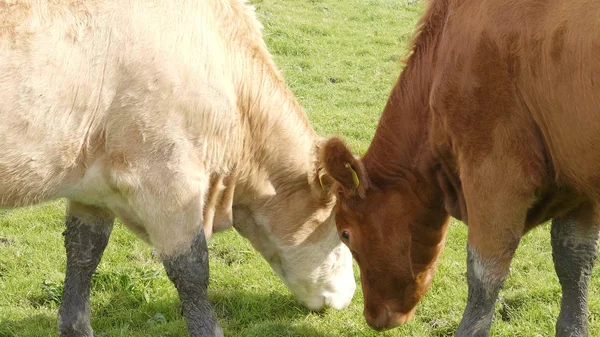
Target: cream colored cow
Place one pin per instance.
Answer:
(171, 116)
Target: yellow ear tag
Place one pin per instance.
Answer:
(321, 181)
(354, 175)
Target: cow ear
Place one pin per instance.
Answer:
(344, 168)
(322, 181)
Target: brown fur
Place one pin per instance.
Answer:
(337, 160)
(494, 121)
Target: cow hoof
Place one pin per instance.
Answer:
(75, 331)
(571, 331)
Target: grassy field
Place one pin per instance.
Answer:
(341, 58)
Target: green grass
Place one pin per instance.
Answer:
(341, 59)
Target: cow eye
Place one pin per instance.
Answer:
(345, 235)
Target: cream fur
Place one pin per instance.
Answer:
(169, 115)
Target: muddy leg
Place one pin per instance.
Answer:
(574, 250)
(189, 272)
(498, 201)
(86, 236)
(495, 230)
(485, 277)
(174, 222)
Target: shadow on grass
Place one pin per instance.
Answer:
(279, 329)
(248, 306)
(118, 317)
(35, 326)
(511, 306)
(240, 313)
(509, 309)
(244, 313)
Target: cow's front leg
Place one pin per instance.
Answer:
(176, 231)
(86, 236)
(574, 250)
(170, 215)
(485, 276)
(189, 272)
(497, 198)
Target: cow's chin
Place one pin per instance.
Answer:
(318, 272)
(330, 284)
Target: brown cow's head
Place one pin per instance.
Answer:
(394, 234)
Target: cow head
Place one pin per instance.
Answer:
(394, 233)
(292, 226)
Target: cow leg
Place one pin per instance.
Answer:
(492, 240)
(497, 200)
(86, 236)
(189, 271)
(485, 277)
(169, 213)
(574, 250)
(178, 236)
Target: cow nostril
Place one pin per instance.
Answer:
(378, 320)
(397, 319)
(385, 319)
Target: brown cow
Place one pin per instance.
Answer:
(495, 120)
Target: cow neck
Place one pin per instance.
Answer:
(278, 140)
(400, 149)
(401, 153)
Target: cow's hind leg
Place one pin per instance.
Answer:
(189, 272)
(574, 250)
(86, 236)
